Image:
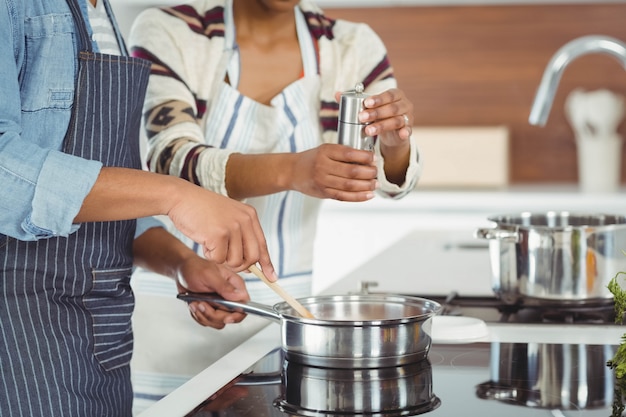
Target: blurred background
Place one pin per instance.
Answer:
(472, 63)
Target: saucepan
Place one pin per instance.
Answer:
(348, 331)
(558, 257)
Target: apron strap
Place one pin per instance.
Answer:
(83, 34)
(309, 54)
(118, 33)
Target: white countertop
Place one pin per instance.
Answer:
(513, 198)
(410, 261)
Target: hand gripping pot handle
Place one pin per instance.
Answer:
(247, 307)
(509, 236)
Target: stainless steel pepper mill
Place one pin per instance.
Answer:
(350, 131)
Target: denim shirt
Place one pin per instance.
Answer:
(41, 188)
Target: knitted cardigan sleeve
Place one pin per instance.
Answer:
(185, 47)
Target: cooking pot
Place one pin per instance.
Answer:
(404, 390)
(348, 331)
(550, 376)
(557, 256)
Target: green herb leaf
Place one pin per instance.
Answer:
(618, 363)
(619, 296)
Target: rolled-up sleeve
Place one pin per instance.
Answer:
(42, 190)
(55, 205)
(413, 173)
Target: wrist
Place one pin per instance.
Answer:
(170, 192)
(287, 164)
(398, 151)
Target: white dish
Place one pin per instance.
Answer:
(454, 329)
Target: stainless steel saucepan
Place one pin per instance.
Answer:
(555, 256)
(348, 331)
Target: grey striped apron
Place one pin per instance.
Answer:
(66, 303)
(289, 124)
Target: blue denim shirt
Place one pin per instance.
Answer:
(41, 188)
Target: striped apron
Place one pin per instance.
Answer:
(289, 124)
(66, 303)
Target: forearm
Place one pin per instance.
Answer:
(122, 193)
(159, 251)
(187, 156)
(258, 175)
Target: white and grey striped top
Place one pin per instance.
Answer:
(102, 27)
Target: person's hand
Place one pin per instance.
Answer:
(228, 231)
(201, 275)
(390, 115)
(335, 171)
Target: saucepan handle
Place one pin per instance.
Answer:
(253, 380)
(503, 235)
(217, 301)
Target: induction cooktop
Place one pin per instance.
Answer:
(487, 379)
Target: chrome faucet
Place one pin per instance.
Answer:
(560, 60)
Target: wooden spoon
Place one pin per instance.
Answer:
(280, 291)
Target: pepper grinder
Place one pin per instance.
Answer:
(350, 131)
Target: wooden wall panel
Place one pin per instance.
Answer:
(481, 65)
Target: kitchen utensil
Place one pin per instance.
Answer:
(550, 376)
(350, 131)
(282, 293)
(557, 256)
(405, 390)
(349, 331)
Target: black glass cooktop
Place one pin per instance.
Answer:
(479, 379)
(492, 310)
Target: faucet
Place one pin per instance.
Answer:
(561, 59)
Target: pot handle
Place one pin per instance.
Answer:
(253, 380)
(217, 301)
(510, 236)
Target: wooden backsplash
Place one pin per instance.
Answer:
(481, 65)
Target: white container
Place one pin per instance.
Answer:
(595, 117)
(599, 163)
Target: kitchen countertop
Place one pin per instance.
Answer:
(528, 197)
(411, 262)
